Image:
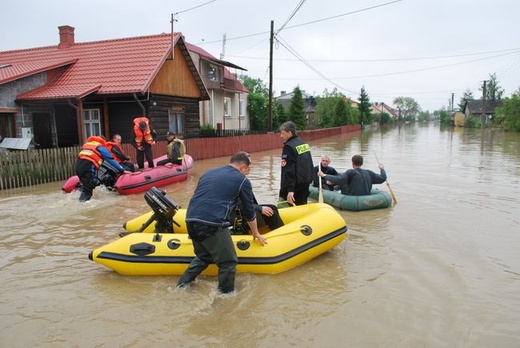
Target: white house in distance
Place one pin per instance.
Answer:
(227, 107)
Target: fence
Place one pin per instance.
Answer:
(33, 167)
(27, 168)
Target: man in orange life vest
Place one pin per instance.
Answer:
(93, 153)
(143, 136)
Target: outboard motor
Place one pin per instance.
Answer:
(164, 209)
(107, 175)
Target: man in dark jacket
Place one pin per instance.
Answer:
(297, 167)
(357, 181)
(207, 220)
(327, 169)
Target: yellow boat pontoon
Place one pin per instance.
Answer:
(164, 248)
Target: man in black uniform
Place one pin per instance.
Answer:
(297, 167)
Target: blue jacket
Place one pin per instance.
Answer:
(217, 194)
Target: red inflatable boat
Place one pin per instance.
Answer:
(143, 180)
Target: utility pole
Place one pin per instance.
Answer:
(483, 116)
(270, 109)
(452, 102)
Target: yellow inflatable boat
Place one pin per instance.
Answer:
(309, 231)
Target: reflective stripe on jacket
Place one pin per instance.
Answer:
(141, 135)
(89, 151)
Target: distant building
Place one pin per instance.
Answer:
(309, 104)
(475, 108)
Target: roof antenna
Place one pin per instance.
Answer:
(173, 20)
(223, 46)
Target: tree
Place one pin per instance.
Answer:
(325, 107)
(340, 113)
(280, 115)
(297, 110)
(493, 90)
(444, 117)
(364, 106)
(408, 107)
(509, 113)
(258, 102)
(468, 95)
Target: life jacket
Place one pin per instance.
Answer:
(89, 151)
(110, 145)
(178, 150)
(142, 135)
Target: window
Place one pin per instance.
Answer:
(241, 107)
(7, 124)
(212, 73)
(176, 121)
(227, 107)
(92, 124)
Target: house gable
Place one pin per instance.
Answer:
(175, 77)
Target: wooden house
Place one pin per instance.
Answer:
(481, 110)
(62, 94)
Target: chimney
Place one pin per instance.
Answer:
(66, 36)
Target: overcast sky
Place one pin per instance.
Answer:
(424, 49)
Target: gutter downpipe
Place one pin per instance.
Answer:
(140, 104)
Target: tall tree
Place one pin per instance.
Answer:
(280, 115)
(340, 113)
(408, 107)
(297, 109)
(364, 106)
(468, 95)
(493, 89)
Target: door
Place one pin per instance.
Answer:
(42, 130)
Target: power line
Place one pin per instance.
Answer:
(363, 60)
(303, 24)
(194, 7)
(290, 17)
(301, 59)
(417, 70)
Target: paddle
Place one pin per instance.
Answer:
(387, 183)
(320, 192)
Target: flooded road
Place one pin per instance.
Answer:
(439, 269)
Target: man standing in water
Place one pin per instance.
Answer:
(297, 167)
(207, 219)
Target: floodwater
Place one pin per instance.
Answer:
(439, 269)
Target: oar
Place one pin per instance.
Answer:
(320, 192)
(387, 183)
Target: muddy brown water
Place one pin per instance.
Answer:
(439, 269)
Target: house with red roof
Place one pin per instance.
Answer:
(64, 93)
(227, 106)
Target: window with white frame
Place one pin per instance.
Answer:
(91, 122)
(176, 120)
(241, 107)
(227, 107)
